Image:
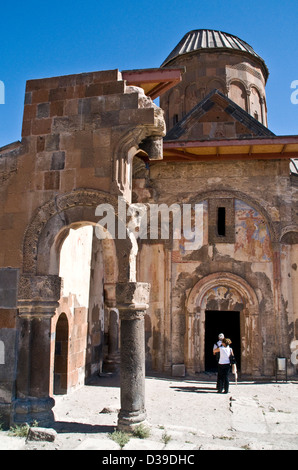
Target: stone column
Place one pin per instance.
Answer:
(37, 302)
(132, 302)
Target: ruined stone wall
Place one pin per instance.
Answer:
(79, 136)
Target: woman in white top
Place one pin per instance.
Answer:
(224, 365)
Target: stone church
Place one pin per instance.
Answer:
(77, 297)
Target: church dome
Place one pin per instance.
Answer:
(209, 40)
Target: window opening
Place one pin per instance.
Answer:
(221, 221)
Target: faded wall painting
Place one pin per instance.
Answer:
(252, 235)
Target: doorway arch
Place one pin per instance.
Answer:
(60, 386)
(39, 287)
(223, 291)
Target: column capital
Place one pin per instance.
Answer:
(110, 294)
(132, 296)
(38, 295)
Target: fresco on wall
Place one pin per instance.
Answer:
(252, 235)
(223, 298)
(194, 236)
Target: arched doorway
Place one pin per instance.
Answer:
(87, 268)
(228, 323)
(61, 356)
(234, 305)
(40, 288)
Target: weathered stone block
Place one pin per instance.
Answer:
(66, 124)
(58, 161)
(41, 126)
(106, 76)
(52, 142)
(8, 287)
(87, 158)
(51, 180)
(43, 110)
(135, 116)
(30, 111)
(40, 96)
(57, 108)
(41, 434)
(59, 94)
(178, 370)
(84, 106)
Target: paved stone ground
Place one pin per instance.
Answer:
(182, 415)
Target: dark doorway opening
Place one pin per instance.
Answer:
(228, 323)
(221, 221)
(61, 356)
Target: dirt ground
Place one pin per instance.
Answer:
(183, 414)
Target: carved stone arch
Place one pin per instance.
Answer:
(200, 197)
(190, 97)
(239, 81)
(238, 92)
(256, 103)
(289, 235)
(253, 85)
(218, 84)
(241, 297)
(148, 139)
(197, 296)
(124, 151)
(51, 223)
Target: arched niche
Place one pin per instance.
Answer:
(289, 235)
(256, 104)
(238, 94)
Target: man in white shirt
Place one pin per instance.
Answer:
(215, 346)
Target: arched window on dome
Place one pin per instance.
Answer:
(238, 94)
(256, 104)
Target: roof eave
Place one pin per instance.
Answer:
(272, 148)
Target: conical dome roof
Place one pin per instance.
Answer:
(209, 40)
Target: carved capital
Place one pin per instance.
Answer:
(132, 296)
(38, 295)
(110, 294)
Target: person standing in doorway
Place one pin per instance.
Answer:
(216, 346)
(225, 351)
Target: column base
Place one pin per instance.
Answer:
(29, 410)
(5, 415)
(129, 420)
(112, 363)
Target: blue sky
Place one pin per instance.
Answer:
(44, 39)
